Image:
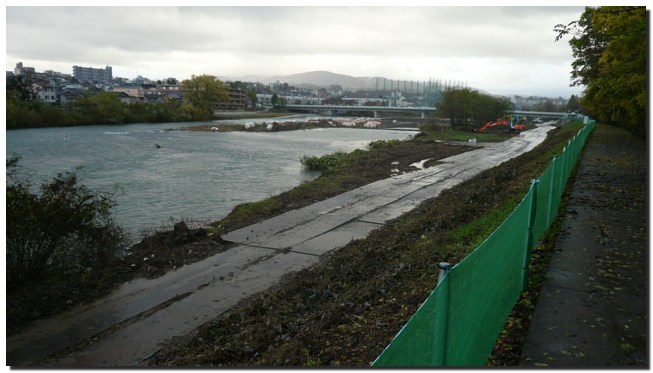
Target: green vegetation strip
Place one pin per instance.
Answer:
(439, 133)
(347, 308)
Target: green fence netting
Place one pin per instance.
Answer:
(460, 321)
(483, 287)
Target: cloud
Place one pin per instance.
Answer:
(413, 42)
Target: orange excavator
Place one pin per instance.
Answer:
(514, 123)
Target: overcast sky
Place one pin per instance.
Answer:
(502, 50)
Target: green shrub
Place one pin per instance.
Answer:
(327, 163)
(65, 228)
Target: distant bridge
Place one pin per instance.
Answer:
(543, 114)
(421, 109)
(376, 109)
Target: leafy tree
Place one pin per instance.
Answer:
(282, 103)
(573, 104)
(238, 85)
(609, 45)
(547, 106)
(139, 112)
(67, 228)
(278, 102)
(251, 93)
(101, 108)
(587, 47)
(469, 109)
(203, 92)
(23, 86)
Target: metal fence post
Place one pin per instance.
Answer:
(532, 212)
(549, 214)
(562, 171)
(439, 357)
(568, 165)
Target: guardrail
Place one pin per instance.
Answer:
(460, 321)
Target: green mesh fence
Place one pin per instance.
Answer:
(542, 203)
(482, 289)
(460, 321)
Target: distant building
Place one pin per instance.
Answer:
(90, 74)
(69, 95)
(22, 70)
(47, 94)
(264, 99)
(133, 91)
(238, 100)
(126, 98)
(57, 74)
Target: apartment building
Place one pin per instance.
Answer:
(91, 74)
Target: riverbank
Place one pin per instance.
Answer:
(344, 310)
(400, 237)
(226, 115)
(212, 287)
(313, 123)
(163, 251)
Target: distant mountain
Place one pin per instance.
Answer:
(326, 79)
(317, 79)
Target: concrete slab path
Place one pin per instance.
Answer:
(593, 310)
(127, 327)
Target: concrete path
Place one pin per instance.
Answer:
(593, 310)
(127, 327)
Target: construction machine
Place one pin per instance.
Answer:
(514, 123)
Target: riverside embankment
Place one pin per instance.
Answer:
(239, 271)
(161, 175)
(308, 122)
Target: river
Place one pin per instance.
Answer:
(162, 176)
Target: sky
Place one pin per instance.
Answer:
(501, 50)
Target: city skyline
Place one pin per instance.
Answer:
(502, 50)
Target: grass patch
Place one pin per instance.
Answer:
(448, 134)
(475, 232)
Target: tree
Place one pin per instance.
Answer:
(251, 93)
(573, 104)
(469, 109)
(67, 228)
(609, 45)
(547, 106)
(101, 108)
(204, 92)
(24, 86)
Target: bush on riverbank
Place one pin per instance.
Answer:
(102, 108)
(67, 228)
(58, 243)
(335, 162)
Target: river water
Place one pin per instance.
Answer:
(163, 176)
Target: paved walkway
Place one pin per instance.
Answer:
(593, 310)
(128, 327)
